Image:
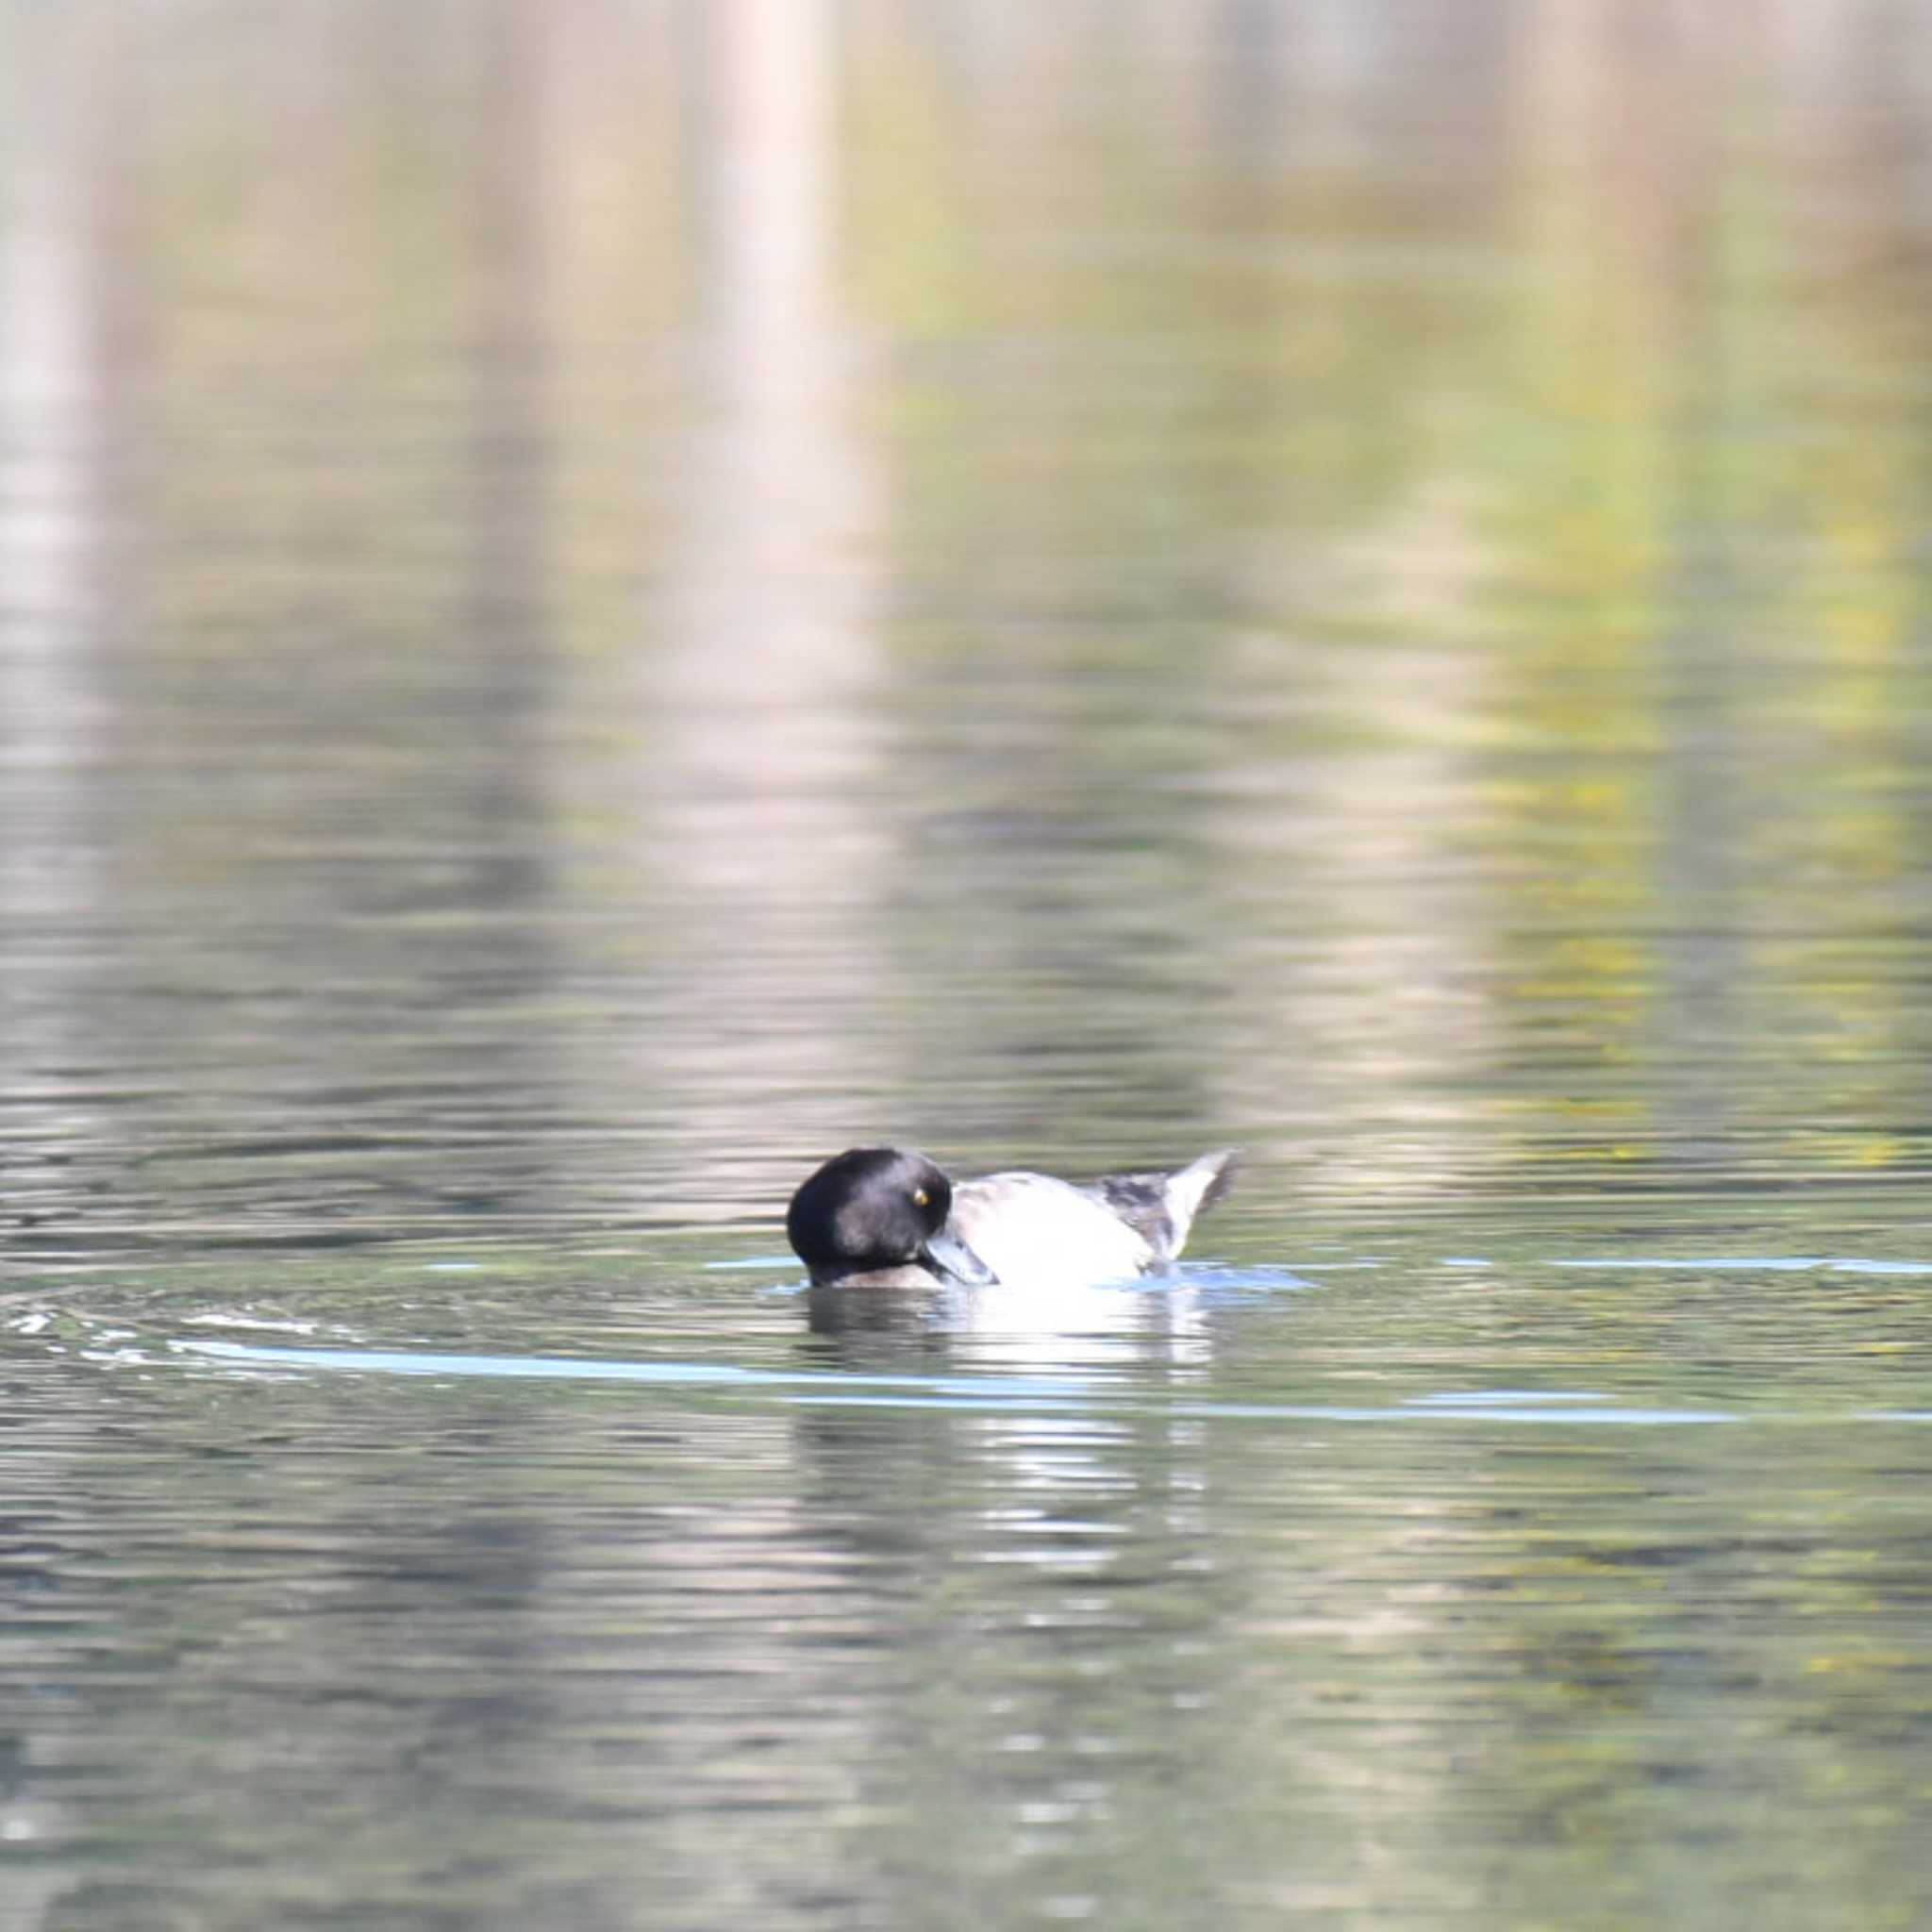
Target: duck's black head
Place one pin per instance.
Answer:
(872, 1211)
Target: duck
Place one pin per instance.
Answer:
(890, 1217)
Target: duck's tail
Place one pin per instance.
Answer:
(1162, 1206)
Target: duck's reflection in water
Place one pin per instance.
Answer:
(1049, 1541)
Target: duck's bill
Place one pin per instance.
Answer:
(950, 1259)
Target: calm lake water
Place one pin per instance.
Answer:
(599, 600)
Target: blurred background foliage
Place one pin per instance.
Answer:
(603, 596)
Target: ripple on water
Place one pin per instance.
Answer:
(1568, 1408)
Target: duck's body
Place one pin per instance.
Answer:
(881, 1216)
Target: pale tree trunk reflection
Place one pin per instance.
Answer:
(758, 815)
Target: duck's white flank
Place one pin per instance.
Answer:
(1030, 1227)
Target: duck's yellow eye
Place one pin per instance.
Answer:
(920, 1198)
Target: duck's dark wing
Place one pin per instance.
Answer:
(1159, 1207)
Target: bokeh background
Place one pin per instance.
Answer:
(602, 598)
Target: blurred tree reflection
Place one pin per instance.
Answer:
(1344, 578)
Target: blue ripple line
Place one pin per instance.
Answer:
(816, 1387)
(1506, 1398)
(570, 1369)
(1579, 1416)
(1007, 1393)
(1767, 1264)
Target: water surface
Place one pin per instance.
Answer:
(600, 600)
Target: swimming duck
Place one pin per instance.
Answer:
(886, 1217)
